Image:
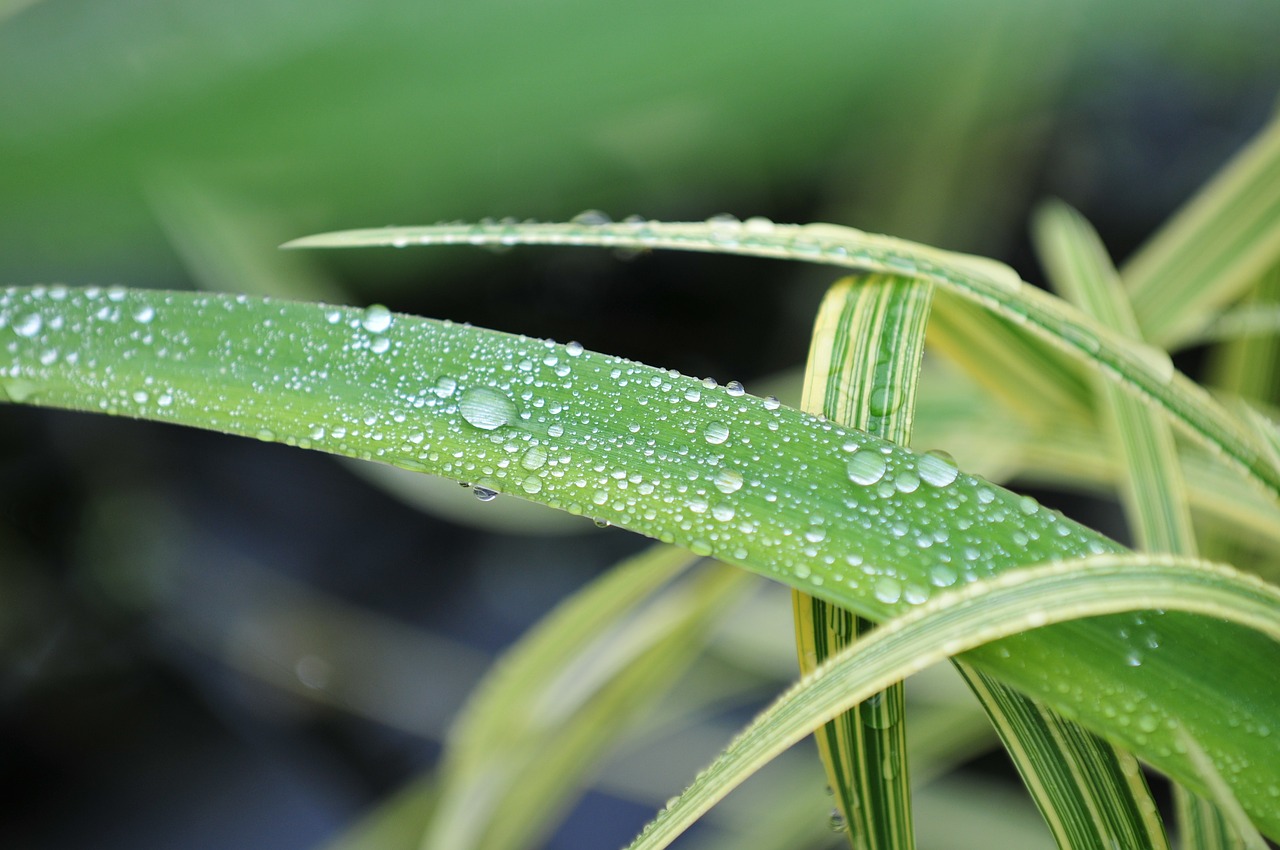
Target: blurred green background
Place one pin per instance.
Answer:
(211, 642)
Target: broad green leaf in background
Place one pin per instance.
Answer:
(708, 468)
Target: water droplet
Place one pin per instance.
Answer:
(380, 345)
(906, 481)
(884, 400)
(937, 468)
(28, 326)
(376, 319)
(735, 388)
(888, 590)
(144, 313)
(484, 494)
(941, 575)
(877, 713)
(728, 481)
(573, 348)
(486, 408)
(724, 513)
(772, 402)
(866, 467)
(532, 485)
(836, 822)
(534, 458)
(591, 217)
(1028, 505)
(716, 433)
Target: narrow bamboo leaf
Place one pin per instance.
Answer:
(1005, 605)
(1035, 381)
(561, 699)
(1214, 249)
(864, 360)
(1141, 369)
(709, 468)
(1245, 320)
(1155, 495)
(1090, 794)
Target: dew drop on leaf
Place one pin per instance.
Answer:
(728, 481)
(484, 494)
(937, 468)
(376, 319)
(486, 408)
(716, 433)
(28, 326)
(866, 467)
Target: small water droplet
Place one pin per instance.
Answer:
(836, 822)
(376, 319)
(144, 313)
(573, 348)
(906, 481)
(724, 513)
(486, 408)
(866, 467)
(484, 494)
(772, 402)
(532, 485)
(591, 217)
(716, 433)
(937, 468)
(28, 326)
(735, 388)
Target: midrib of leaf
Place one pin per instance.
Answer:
(1001, 606)
(371, 384)
(1139, 368)
(864, 360)
(1154, 491)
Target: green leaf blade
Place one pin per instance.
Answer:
(426, 398)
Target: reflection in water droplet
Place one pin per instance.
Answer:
(937, 468)
(772, 403)
(486, 408)
(484, 494)
(866, 467)
(735, 388)
(573, 348)
(716, 433)
(376, 319)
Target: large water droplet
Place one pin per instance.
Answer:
(937, 469)
(28, 326)
(534, 458)
(573, 348)
(728, 481)
(716, 433)
(866, 467)
(486, 408)
(484, 494)
(376, 319)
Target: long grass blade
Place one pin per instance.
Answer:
(955, 624)
(562, 697)
(1213, 249)
(1140, 369)
(1155, 493)
(709, 468)
(864, 361)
